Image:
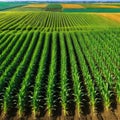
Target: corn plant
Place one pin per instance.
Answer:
(11, 91)
(63, 75)
(103, 87)
(38, 88)
(75, 75)
(28, 79)
(5, 78)
(90, 84)
(50, 101)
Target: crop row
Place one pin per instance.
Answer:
(43, 71)
(48, 21)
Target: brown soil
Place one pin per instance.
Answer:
(117, 112)
(106, 115)
(3, 116)
(93, 116)
(109, 115)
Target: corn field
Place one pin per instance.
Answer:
(59, 65)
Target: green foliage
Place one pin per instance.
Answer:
(98, 10)
(38, 63)
(54, 7)
(8, 5)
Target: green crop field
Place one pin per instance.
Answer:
(49, 22)
(54, 7)
(59, 66)
(99, 10)
(9, 5)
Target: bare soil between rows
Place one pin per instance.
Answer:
(105, 115)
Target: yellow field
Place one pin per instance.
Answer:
(115, 17)
(72, 6)
(36, 6)
(104, 6)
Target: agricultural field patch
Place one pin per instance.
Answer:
(70, 6)
(59, 66)
(59, 7)
(105, 6)
(47, 21)
(115, 17)
(95, 10)
(49, 71)
(54, 7)
(35, 6)
(92, 5)
(26, 9)
(101, 5)
(9, 5)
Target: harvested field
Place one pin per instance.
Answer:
(72, 6)
(104, 6)
(36, 6)
(107, 6)
(115, 17)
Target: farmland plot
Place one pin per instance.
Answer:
(59, 66)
